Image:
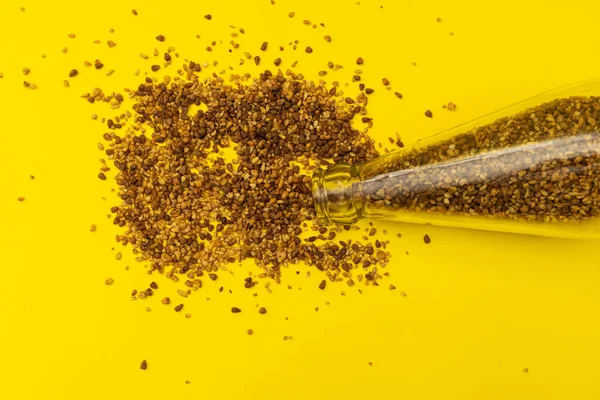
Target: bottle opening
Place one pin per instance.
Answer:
(320, 197)
(335, 198)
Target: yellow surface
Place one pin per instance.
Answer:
(480, 307)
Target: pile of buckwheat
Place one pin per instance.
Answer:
(211, 173)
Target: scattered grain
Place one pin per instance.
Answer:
(218, 203)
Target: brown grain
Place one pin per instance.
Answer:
(252, 206)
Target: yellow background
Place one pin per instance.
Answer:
(480, 307)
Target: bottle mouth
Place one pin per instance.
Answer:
(320, 196)
(336, 199)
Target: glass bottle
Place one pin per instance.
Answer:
(531, 168)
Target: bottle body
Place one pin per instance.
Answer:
(531, 168)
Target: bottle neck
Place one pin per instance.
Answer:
(337, 194)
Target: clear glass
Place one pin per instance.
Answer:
(530, 168)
